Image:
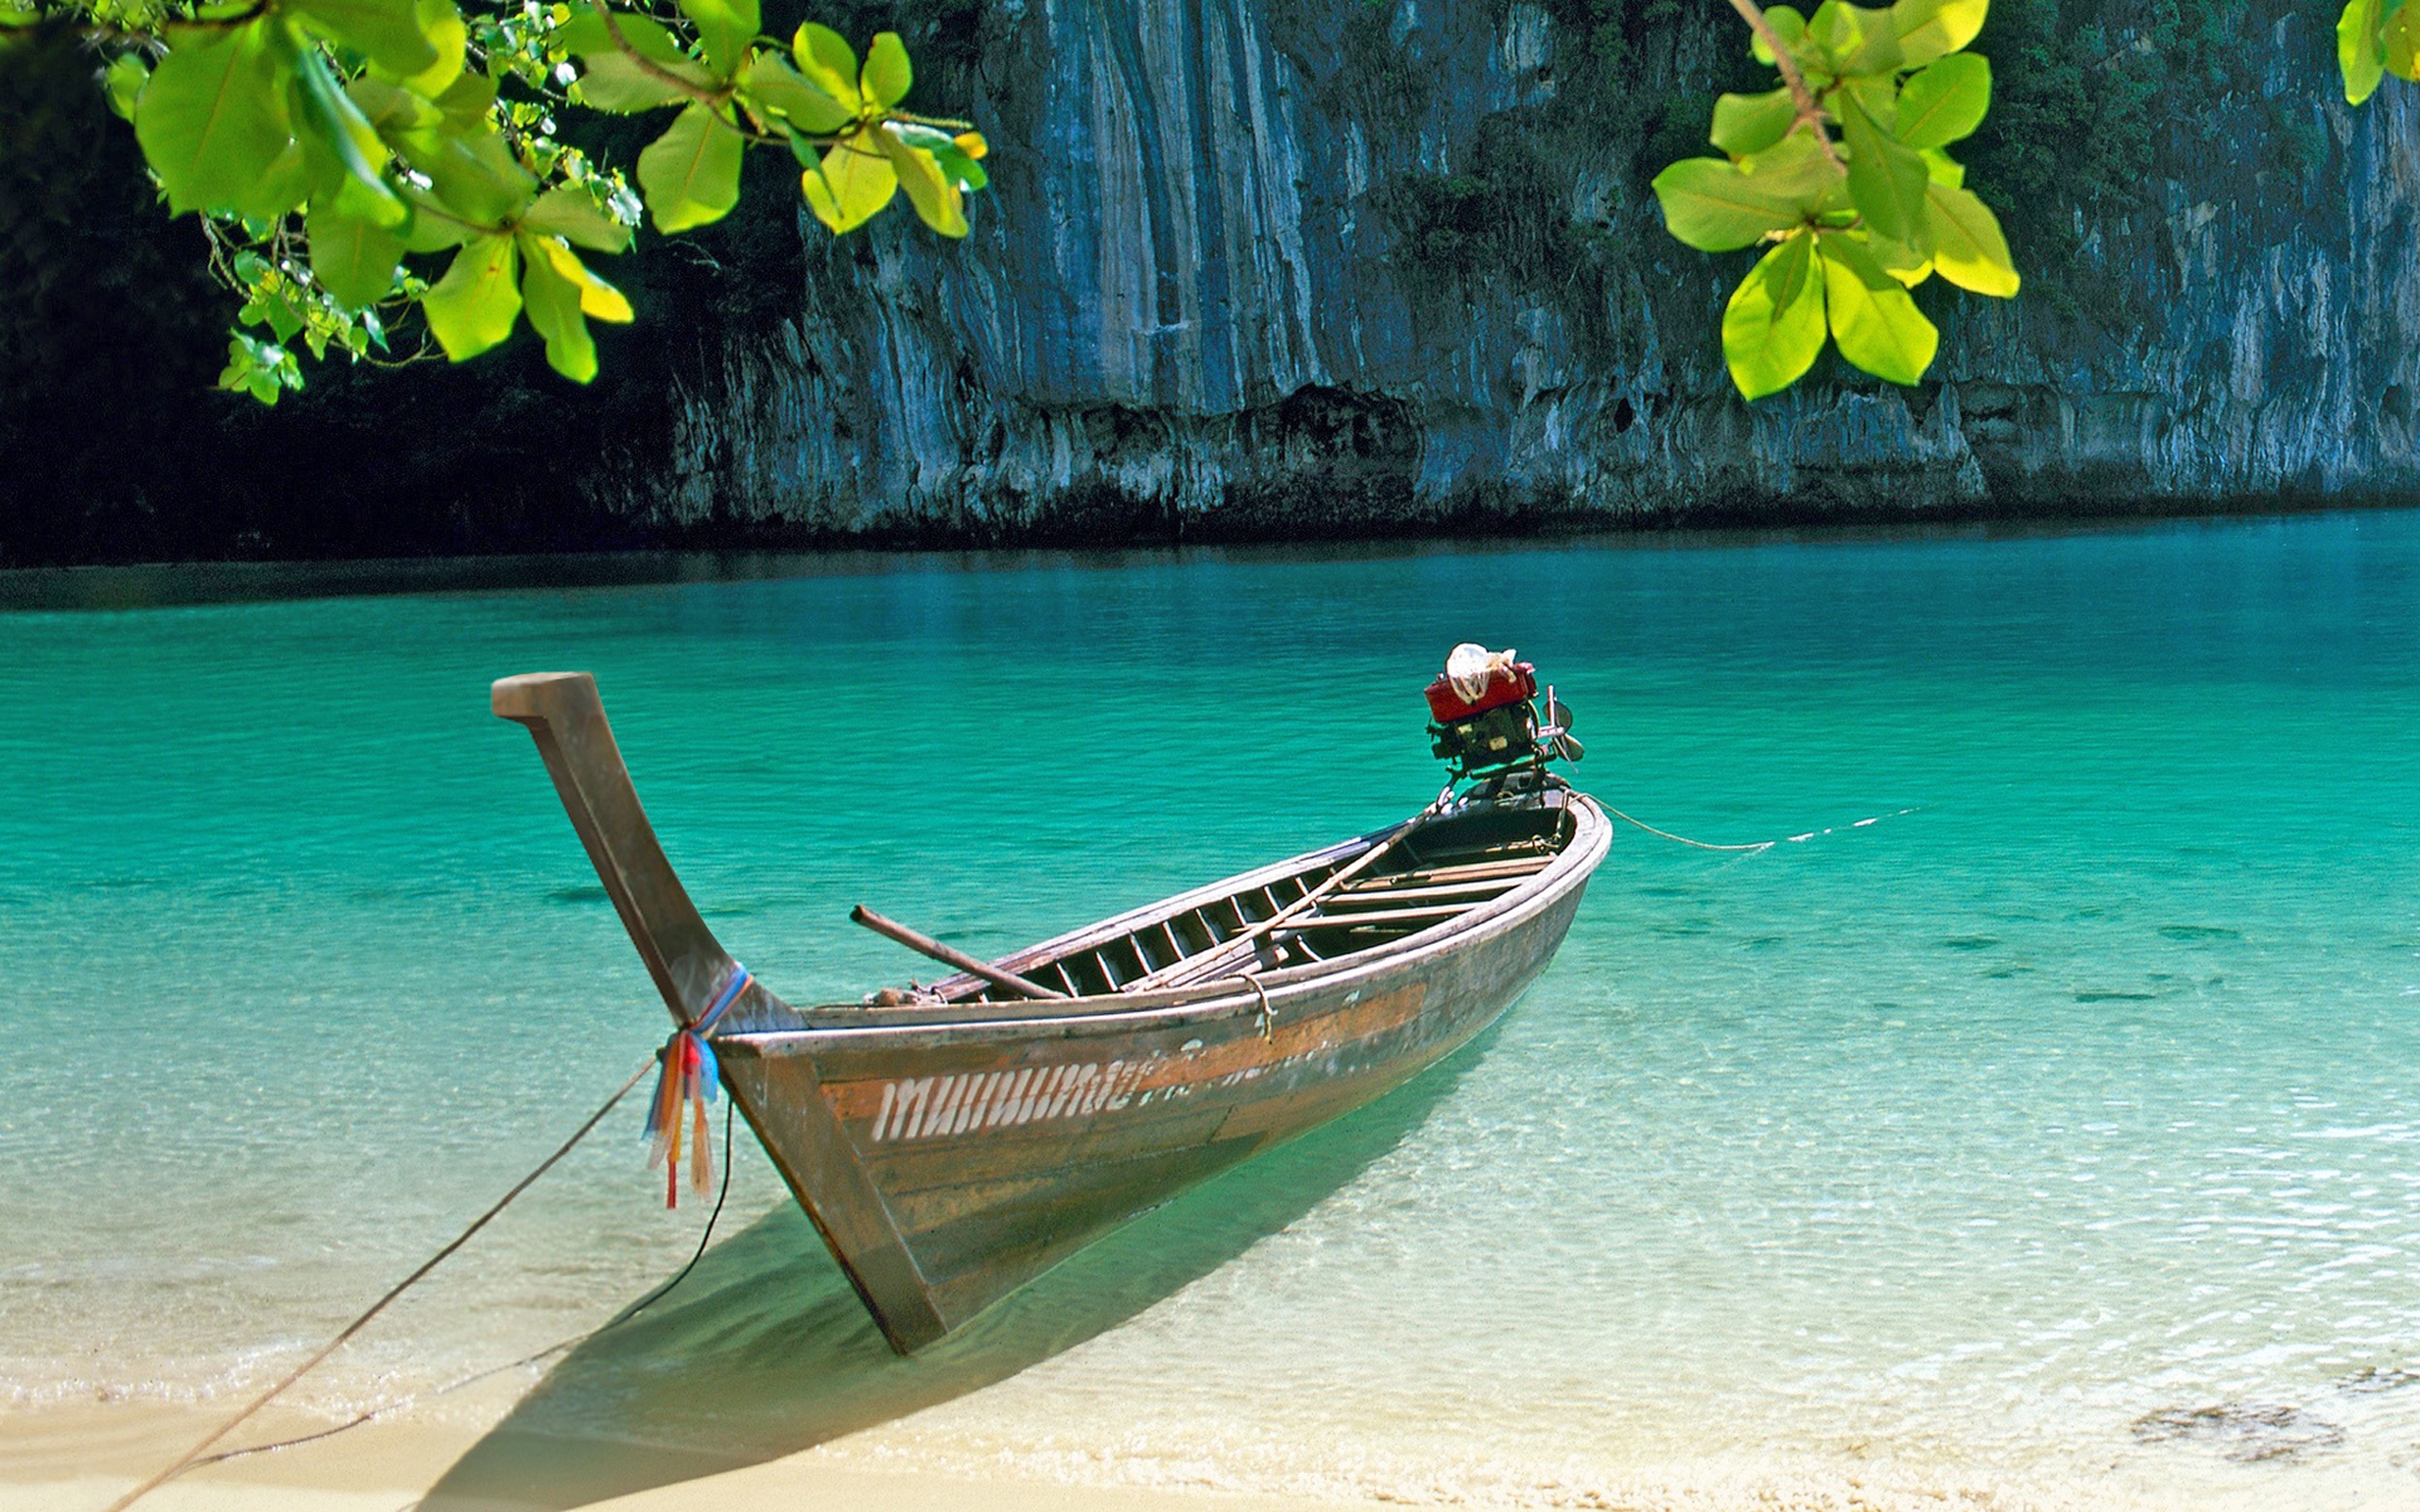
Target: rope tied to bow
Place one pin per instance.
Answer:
(688, 1079)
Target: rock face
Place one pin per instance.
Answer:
(1246, 269)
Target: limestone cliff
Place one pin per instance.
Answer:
(1254, 267)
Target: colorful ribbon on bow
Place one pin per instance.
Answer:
(688, 1080)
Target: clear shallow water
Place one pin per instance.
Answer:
(2058, 1137)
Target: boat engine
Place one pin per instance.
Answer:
(1488, 721)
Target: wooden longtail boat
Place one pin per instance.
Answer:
(952, 1143)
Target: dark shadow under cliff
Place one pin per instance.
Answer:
(1371, 271)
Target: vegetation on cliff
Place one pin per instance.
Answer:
(1537, 192)
(324, 142)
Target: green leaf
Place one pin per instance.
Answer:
(553, 306)
(1773, 329)
(353, 260)
(1713, 206)
(829, 63)
(1935, 29)
(2402, 37)
(612, 79)
(430, 231)
(1945, 101)
(1853, 39)
(597, 298)
(466, 101)
(1967, 246)
(586, 35)
(1751, 123)
(1879, 95)
(260, 368)
(1787, 23)
(1943, 168)
(691, 173)
(392, 108)
(963, 171)
(1886, 180)
(284, 186)
(617, 82)
(1902, 262)
(726, 26)
(775, 85)
(853, 184)
(125, 81)
(212, 119)
(441, 22)
(936, 201)
(573, 214)
(1878, 326)
(388, 31)
(1798, 166)
(1869, 46)
(477, 176)
(283, 320)
(473, 306)
(888, 74)
(2360, 53)
(561, 295)
(331, 126)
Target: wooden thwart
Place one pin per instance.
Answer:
(948, 955)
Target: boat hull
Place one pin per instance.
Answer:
(992, 1157)
(951, 1147)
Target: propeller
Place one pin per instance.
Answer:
(1556, 733)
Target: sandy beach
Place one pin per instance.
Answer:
(78, 1460)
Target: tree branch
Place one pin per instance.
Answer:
(649, 66)
(1809, 113)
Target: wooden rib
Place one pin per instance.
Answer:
(1211, 963)
(1147, 950)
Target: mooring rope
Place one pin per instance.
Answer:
(1756, 845)
(194, 1455)
(389, 1409)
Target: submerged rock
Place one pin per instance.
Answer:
(2245, 1431)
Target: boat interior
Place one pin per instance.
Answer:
(1321, 907)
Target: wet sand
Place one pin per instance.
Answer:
(79, 1459)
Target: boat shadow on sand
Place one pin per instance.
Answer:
(764, 1352)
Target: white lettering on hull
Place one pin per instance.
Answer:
(924, 1108)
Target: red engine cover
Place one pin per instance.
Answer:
(1517, 686)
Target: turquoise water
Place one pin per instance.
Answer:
(2055, 1137)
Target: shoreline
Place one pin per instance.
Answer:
(79, 1459)
(173, 584)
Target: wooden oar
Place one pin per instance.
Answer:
(948, 955)
(1213, 961)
